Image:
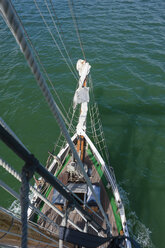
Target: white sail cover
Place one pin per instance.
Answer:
(83, 68)
(82, 94)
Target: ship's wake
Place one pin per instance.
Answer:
(137, 229)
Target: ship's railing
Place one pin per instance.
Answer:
(10, 226)
(15, 174)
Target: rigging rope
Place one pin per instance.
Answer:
(95, 116)
(66, 118)
(67, 121)
(52, 5)
(70, 3)
(24, 199)
(60, 38)
(27, 173)
(54, 39)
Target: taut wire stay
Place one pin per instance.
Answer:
(46, 3)
(55, 42)
(71, 6)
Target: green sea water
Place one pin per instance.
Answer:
(124, 42)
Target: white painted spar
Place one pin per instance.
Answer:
(112, 182)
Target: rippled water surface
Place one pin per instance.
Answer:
(124, 43)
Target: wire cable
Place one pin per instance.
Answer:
(50, 32)
(70, 3)
(60, 37)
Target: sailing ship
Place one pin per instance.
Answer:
(75, 202)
